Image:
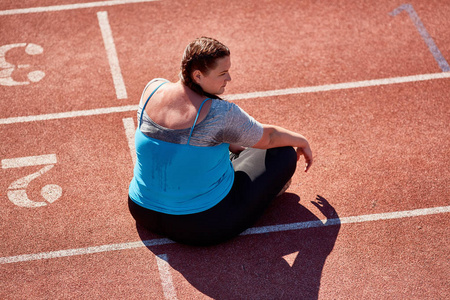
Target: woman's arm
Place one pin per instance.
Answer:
(275, 136)
(235, 148)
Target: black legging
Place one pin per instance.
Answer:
(259, 177)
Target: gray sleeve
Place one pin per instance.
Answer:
(241, 128)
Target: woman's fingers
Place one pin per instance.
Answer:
(306, 152)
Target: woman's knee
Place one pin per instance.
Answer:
(286, 154)
(282, 158)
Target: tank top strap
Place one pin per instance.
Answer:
(196, 118)
(145, 104)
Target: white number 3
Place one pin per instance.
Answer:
(6, 68)
(17, 190)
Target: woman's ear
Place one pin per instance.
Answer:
(197, 76)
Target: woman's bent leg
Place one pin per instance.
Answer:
(260, 175)
(269, 170)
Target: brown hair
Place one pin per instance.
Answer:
(201, 54)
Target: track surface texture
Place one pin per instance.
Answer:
(367, 82)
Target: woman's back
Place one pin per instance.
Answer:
(219, 121)
(173, 106)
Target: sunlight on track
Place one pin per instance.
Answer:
(30, 155)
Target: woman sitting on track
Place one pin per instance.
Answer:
(185, 186)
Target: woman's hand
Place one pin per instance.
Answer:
(306, 152)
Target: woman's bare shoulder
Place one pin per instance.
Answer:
(152, 85)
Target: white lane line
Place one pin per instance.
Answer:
(47, 159)
(83, 251)
(111, 53)
(340, 86)
(349, 220)
(301, 90)
(69, 7)
(69, 114)
(166, 278)
(128, 124)
(255, 230)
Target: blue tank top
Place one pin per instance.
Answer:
(179, 179)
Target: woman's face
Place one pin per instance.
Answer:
(216, 80)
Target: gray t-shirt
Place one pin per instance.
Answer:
(225, 123)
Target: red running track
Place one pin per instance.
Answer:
(70, 80)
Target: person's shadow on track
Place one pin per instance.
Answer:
(277, 265)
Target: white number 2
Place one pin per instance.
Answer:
(17, 190)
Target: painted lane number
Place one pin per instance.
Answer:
(7, 69)
(17, 190)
